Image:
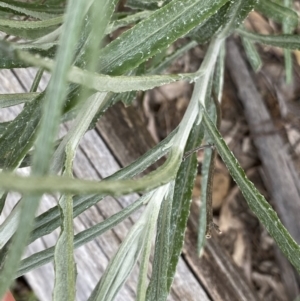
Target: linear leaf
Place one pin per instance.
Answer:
(52, 107)
(218, 78)
(288, 41)
(65, 271)
(9, 226)
(43, 48)
(36, 81)
(236, 14)
(8, 100)
(145, 256)
(49, 8)
(168, 60)
(65, 279)
(288, 28)
(277, 12)
(17, 9)
(205, 171)
(30, 29)
(255, 200)
(158, 286)
(79, 128)
(252, 54)
(184, 184)
(205, 31)
(13, 150)
(127, 21)
(57, 89)
(49, 184)
(106, 83)
(8, 59)
(31, 24)
(123, 262)
(167, 25)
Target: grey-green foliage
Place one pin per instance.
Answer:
(90, 74)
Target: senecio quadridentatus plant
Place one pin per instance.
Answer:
(90, 74)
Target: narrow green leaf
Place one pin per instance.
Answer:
(288, 65)
(255, 200)
(123, 262)
(80, 126)
(42, 48)
(236, 14)
(127, 21)
(288, 41)
(167, 24)
(207, 171)
(36, 80)
(18, 136)
(252, 54)
(8, 100)
(218, 79)
(42, 8)
(9, 226)
(64, 258)
(49, 184)
(184, 184)
(40, 258)
(94, 42)
(205, 213)
(57, 88)
(158, 286)
(128, 97)
(17, 9)
(145, 256)
(203, 209)
(30, 29)
(2, 201)
(288, 28)
(65, 279)
(205, 31)
(8, 59)
(49, 126)
(168, 60)
(106, 83)
(277, 12)
(31, 24)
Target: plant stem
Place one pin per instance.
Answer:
(199, 93)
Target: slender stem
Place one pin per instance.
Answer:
(199, 93)
(189, 153)
(210, 225)
(37, 80)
